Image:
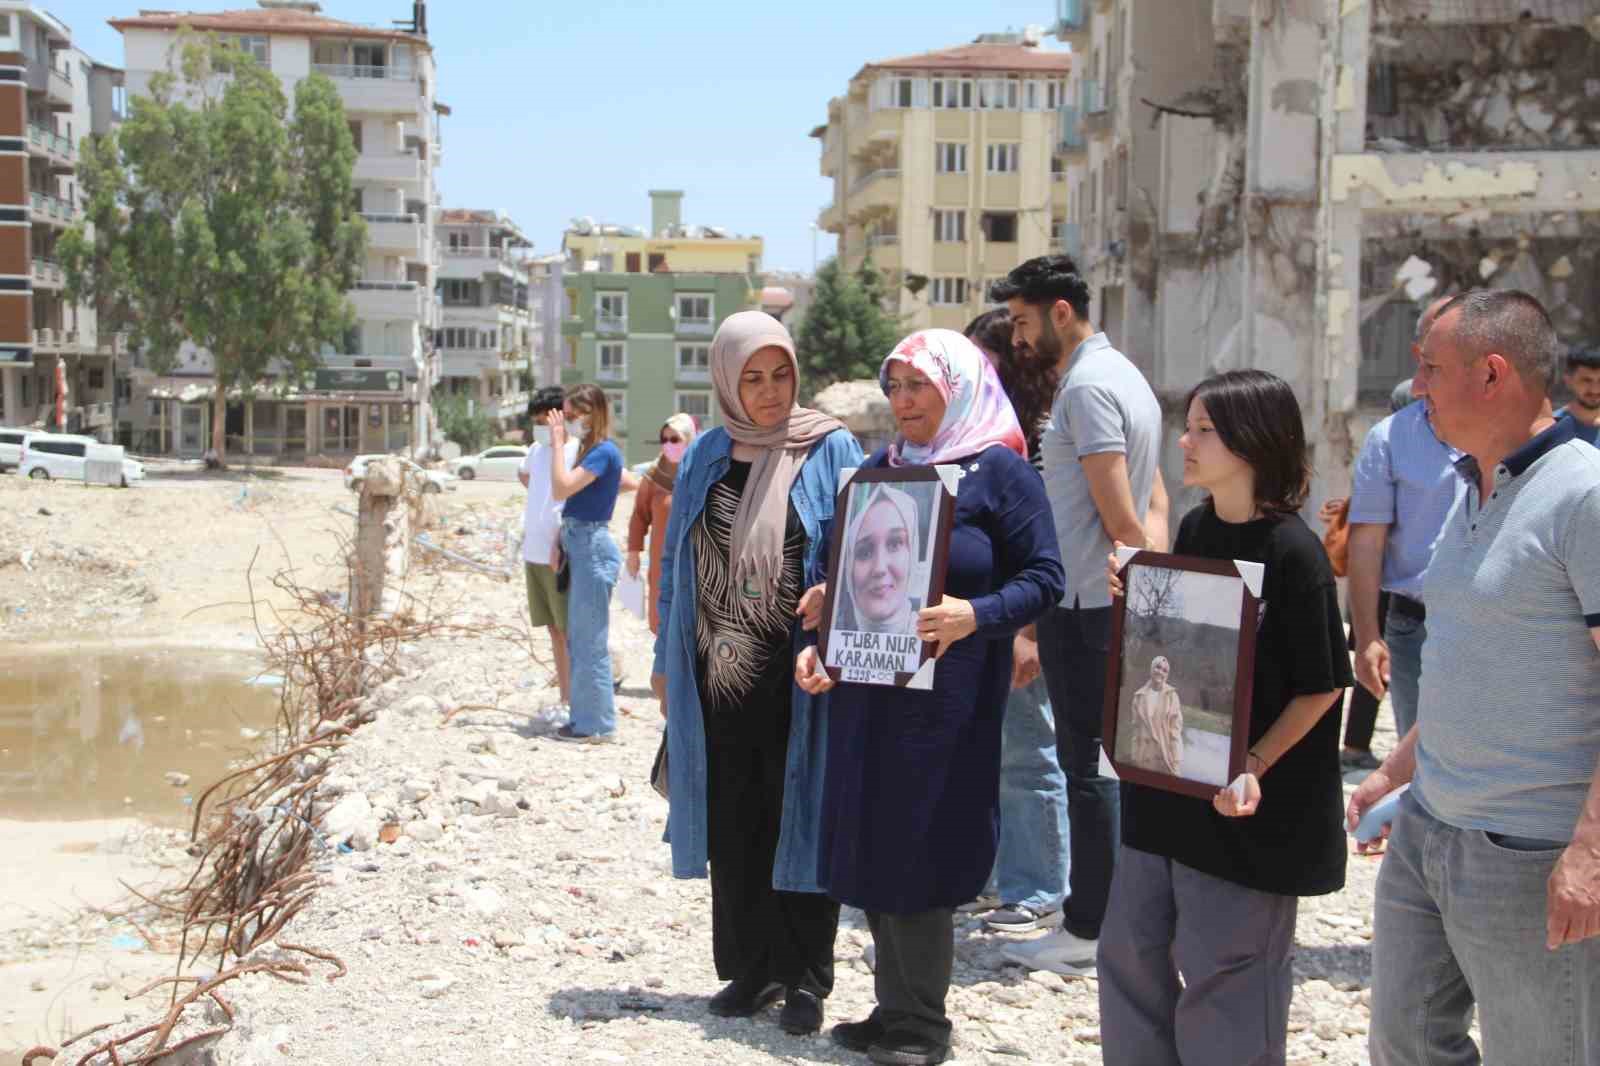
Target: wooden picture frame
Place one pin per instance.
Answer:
(1180, 675)
(869, 637)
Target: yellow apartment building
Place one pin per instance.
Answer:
(944, 171)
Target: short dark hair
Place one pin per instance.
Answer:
(1511, 323)
(1045, 279)
(1583, 358)
(548, 398)
(1030, 384)
(1258, 419)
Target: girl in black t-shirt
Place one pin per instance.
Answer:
(1194, 953)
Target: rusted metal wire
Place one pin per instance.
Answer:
(256, 831)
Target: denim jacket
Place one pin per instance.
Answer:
(795, 869)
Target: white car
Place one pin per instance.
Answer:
(11, 447)
(433, 480)
(66, 455)
(500, 463)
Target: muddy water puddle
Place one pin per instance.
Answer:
(89, 733)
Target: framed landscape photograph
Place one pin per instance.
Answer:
(1178, 687)
(891, 546)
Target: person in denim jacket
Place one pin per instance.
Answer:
(751, 517)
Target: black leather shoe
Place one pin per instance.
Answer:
(907, 1049)
(857, 1036)
(802, 1012)
(744, 997)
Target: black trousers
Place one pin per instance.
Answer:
(756, 930)
(1363, 719)
(916, 954)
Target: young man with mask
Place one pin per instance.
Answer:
(1101, 446)
(1582, 375)
(541, 527)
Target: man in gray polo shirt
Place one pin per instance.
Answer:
(1100, 450)
(1404, 488)
(1489, 895)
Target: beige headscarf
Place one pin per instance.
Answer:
(756, 553)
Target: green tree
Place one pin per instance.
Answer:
(846, 332)
(217, 218)
(473, 430)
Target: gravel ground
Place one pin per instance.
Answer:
(526, 913)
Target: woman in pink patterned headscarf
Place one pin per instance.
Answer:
(910, 808)
(976, 411)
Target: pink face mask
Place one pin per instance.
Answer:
(673, 450)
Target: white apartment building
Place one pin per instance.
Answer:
(58, 99)
(374, 394)
(488, 333)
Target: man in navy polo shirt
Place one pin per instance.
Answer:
(1489, 896)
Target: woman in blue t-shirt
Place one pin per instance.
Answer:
(589, 492)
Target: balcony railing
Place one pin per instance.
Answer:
(374, 216)
(611, 374)
(697, 375)
(51, 207)
(47, 272)
(867, 179)
(611, 323)
(362, 71)
(479, 252)
(1069, 240)
(385, 286)
(1069, 137)
(703, 327)
(1096, 101)
(51, 141)
(1072, 16)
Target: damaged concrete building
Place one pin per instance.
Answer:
(1284, 184)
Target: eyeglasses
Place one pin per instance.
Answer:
(909, 386)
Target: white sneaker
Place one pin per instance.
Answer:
(1059, 952)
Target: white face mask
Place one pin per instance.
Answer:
(577, 426)
(541, 434)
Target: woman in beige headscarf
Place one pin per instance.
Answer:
(1156, 722)
(652, 504)
(751, 513)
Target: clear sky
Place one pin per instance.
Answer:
(570, 109)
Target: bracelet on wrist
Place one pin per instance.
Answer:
(1261, 766)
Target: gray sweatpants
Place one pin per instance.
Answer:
(1230, 944)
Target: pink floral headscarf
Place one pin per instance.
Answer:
(977, 414)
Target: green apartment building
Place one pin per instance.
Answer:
(641, 312)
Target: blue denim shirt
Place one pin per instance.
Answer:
(813, 494)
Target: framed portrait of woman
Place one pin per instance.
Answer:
(891, 547)
(1178, 687)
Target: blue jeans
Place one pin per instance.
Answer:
(1404, 635)
(594, 562)
(1031, 866)
(1073, 644)
(1460, 923)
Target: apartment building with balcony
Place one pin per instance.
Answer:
(486, 337)
(1286, 186)
(944, 171)
(373, 394)
(641, 309)
(57, 98)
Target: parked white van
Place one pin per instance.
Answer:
(68, 456)
(11, 447)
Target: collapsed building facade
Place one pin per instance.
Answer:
(1284, 184)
